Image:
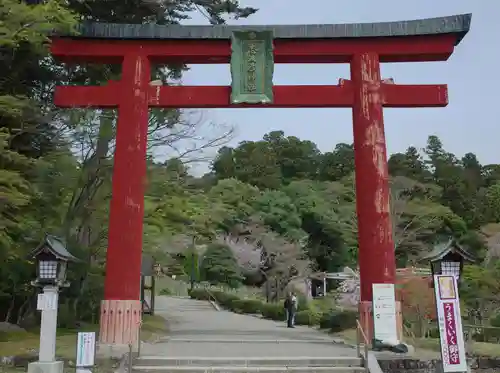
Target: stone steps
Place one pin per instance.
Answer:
(249, 361)
(243, 369)
(163, 364)
(244, 347)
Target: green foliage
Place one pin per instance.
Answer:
(219, 266)
(222, 298)
(23, 23)
(225, 299)
(278, 212)
(250, 306)
(495, 320)
(199, 294)
(307, 317)
(191, 265)
(338, 320)
(273, 311)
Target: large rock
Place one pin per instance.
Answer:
(6, 327)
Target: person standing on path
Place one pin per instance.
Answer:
(290, 306)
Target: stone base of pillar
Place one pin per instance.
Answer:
(46, 367)
(366, 319)
(120, 322)
(115, 351)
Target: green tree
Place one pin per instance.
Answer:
(278, 212)
(409, 164)
(338, 164)
(275, 160)
(327, 216)
(219, 266)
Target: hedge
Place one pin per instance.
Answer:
(273, 311)
(246, 306)
(334, 320)
(307, 317)
(338, 320)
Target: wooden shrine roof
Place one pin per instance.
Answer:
(458, 25)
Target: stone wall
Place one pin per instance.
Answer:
(478, 365)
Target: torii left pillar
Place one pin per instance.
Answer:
(121, 308)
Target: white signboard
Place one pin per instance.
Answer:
(46, 302)
(384, 313)
(85, 350)
(450, 324)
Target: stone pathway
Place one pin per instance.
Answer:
(197, 329)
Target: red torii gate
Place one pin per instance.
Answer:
(363, 46)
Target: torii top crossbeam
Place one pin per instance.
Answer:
(446, 31)
(405, 41)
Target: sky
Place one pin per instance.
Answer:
(470, 123)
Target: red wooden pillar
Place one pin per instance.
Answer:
(121, 307)
(376, 247)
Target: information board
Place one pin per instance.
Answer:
(85, 350)
(47, 302)
(384, 313)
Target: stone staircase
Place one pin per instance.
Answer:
(198, 306)
(297, 364)
(203, 340)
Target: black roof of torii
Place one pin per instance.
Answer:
(457, 25)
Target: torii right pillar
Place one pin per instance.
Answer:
(376, 256)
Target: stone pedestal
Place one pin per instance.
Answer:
(48, 326)
(46, 367)
(366, 319)
(115, 351)
(120, 323)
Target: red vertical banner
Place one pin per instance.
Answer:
(451, 333)
(450, 324)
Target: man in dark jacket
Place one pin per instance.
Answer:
(290, 307)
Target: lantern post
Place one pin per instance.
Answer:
(52, 259)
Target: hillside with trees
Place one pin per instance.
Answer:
(267, 212)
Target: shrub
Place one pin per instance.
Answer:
(302, 303)
(225, 300)
(495, 320)
(273, 311)
(199, 294)
(246, 305)
(338, 320)
(489, 335)
(307, 317)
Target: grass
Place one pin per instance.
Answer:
(28, 342)
(428, 347)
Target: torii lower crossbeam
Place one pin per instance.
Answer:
(207, 97)
(364, 47)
